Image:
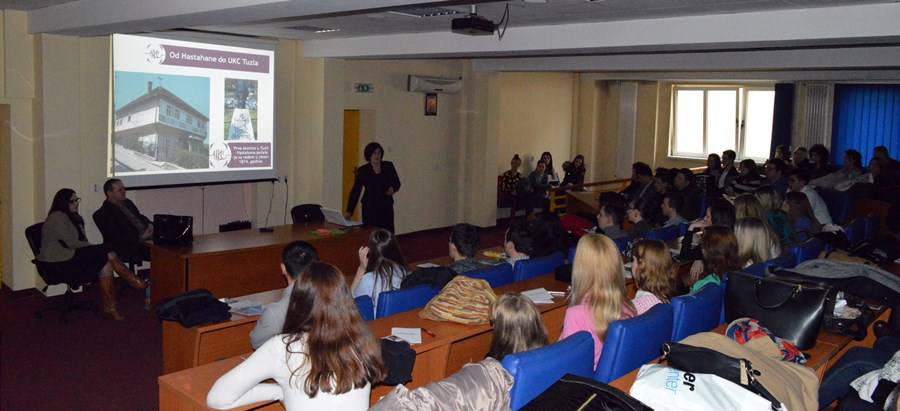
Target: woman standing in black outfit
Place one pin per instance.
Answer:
(381, 182)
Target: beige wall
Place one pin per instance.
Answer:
(535, 115)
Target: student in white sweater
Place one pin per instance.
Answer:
(326, 359)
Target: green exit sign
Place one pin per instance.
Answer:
(364, 88)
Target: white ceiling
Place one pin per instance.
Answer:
(557, 27)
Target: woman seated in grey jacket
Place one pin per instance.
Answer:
(65, 251)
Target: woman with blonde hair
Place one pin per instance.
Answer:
(756, 243)
(654, 274)
(747, 205)
(777, 219)
(598, 294)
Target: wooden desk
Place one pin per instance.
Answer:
(237, 263)
(437, 357)
(829, 349)
(185, 348)
(582, 202)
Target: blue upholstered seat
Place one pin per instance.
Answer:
(571, 255)
(665, 233)
(496, 276)
(631, 343)
(536, 370)
(398, 301)
(623, 243)
(807, 250)
(697, 312)
(534, 267)
(366, 308)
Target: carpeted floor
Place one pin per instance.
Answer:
(96, 364)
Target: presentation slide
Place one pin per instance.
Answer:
(190, 113)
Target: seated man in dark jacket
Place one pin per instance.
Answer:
(124, 228)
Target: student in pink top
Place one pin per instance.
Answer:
(598, 290)
(654, 274)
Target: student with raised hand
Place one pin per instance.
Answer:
(598, 294)
(463, 246)
(654, 274)
(517, 327)
(517, 243)
(324, 359)
(381, 266)
(295, 259)
(756, 242)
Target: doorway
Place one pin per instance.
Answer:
(359, 130)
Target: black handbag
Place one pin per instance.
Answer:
(792, 310)
(399, 359)
(572, 392)
(701, 360)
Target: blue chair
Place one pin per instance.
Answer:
(631, 343)
(398, 301)
(536, 370)
(697, 312)
(665, 233)
(535, 267)
(873, 227)
(366, 308)
(838, 203)
(856, 231)
(571, 255)
(786, 260)
(808, 250)
(496, 276)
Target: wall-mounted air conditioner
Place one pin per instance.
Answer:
(422, 84)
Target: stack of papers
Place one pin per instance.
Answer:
(410, 335)
(427, 265)
(538, 296)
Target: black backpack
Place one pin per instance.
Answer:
(433, 276)
(572, 392)
(193, 308)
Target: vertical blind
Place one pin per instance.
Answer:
(865, 117)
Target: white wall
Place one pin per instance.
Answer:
(535, 115)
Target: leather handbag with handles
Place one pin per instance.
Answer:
(792, 310)
(701, 360)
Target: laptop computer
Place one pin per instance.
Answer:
(336, 217)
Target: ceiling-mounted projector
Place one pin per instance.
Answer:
(473, 24)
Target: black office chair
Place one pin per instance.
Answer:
(51, 277)
(307, 213)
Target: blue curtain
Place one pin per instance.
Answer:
(782, 116)
(865, 117)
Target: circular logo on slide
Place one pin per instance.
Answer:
(219, 155)
(155, 53)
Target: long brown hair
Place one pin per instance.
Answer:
(385, 259)
(341, 352)
(598, 281)
(799, 206)
(518, 326)
(656, 271)
(720, 250)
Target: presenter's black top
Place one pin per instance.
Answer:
(122, 227)
(378, 209)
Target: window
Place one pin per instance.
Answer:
(712, 119)
(173, 112)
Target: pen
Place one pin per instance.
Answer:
(427, 331)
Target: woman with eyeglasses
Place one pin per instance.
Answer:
(65, 251)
